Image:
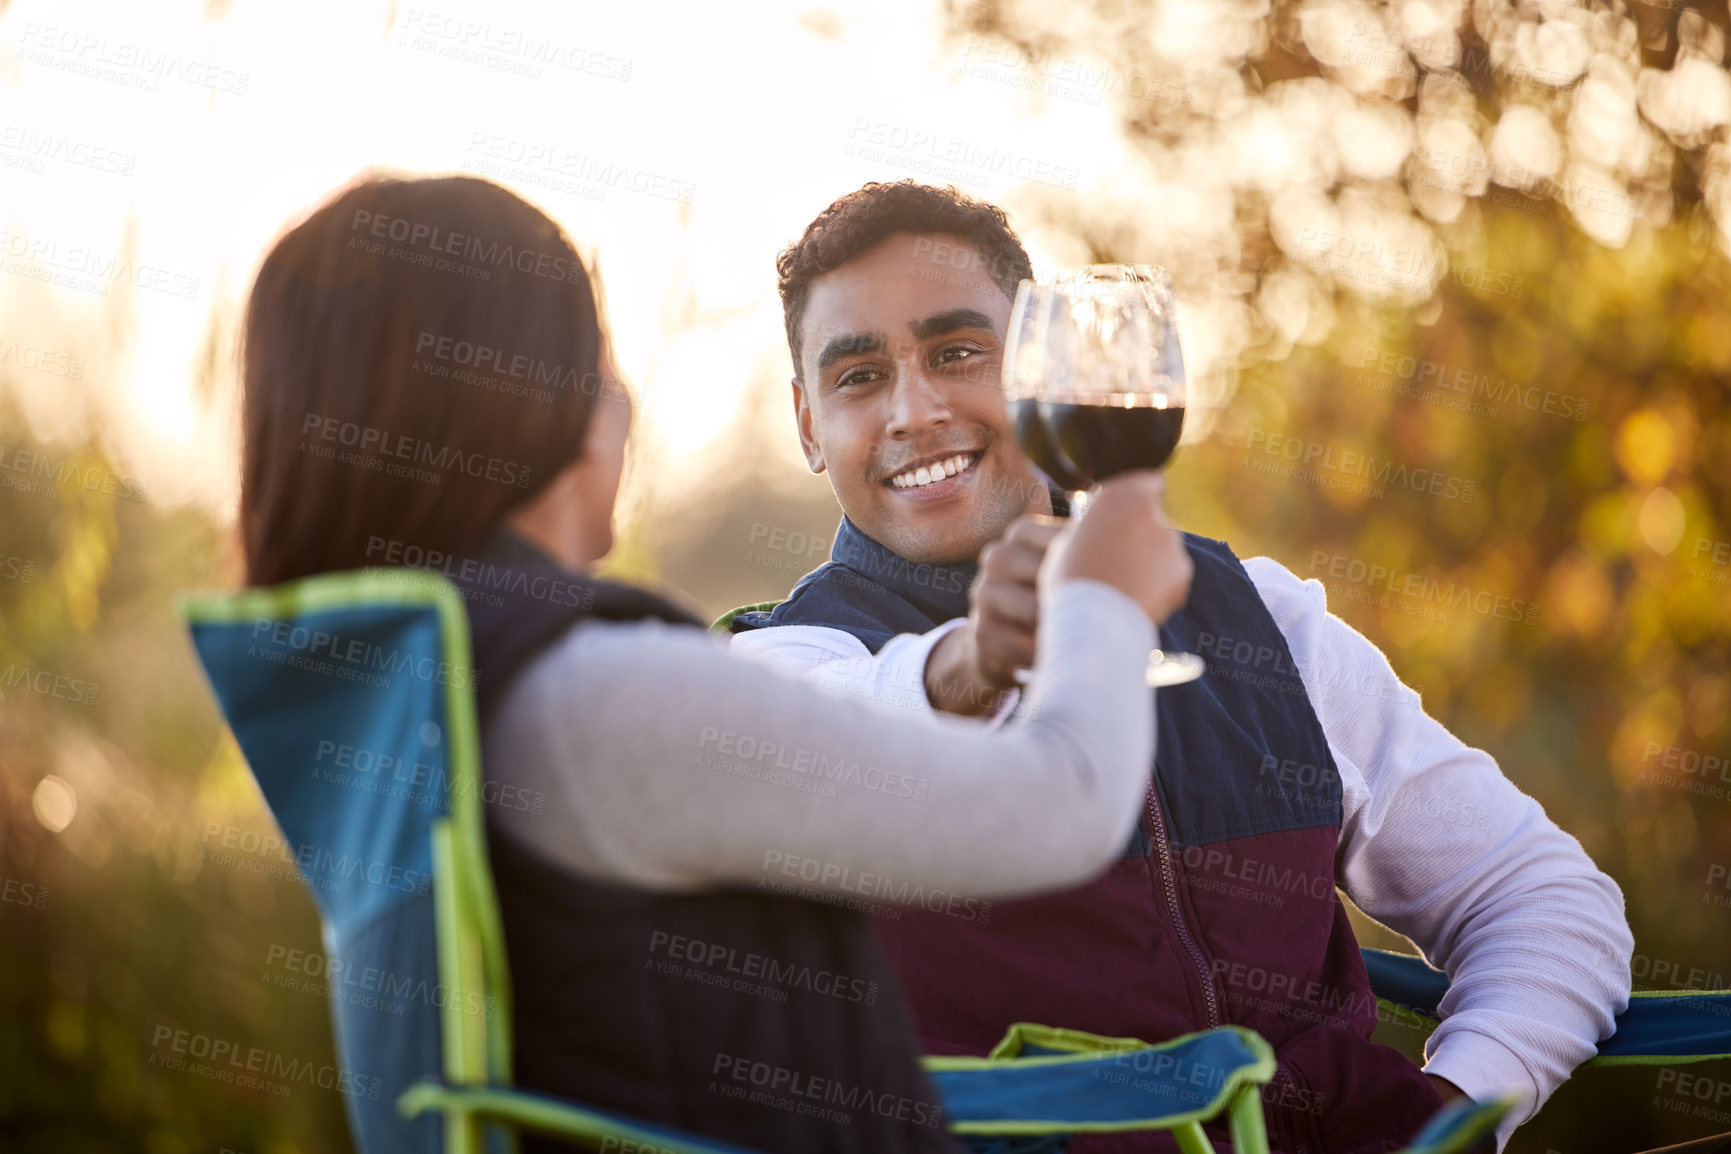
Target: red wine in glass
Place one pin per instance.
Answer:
(1099, 441)
(1038, 447)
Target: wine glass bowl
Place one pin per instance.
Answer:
(1095, 384)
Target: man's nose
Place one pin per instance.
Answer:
(918, 403)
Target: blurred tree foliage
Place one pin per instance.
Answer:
(113, 767)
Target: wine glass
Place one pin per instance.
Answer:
(1094, 378)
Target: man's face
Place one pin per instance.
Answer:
(902, 400)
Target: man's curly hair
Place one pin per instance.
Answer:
(856, 223)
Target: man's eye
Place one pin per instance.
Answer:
(956, 354)
(860, 376)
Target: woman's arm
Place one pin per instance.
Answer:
(670, 765)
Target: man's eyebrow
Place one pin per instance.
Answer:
(853, 344)
(939, 324)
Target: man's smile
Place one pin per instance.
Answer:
(937, 476)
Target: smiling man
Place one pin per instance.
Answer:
(1298, 763)
(934, 486)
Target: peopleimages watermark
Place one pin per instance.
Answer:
(122, 61)
(1065, 78)
(1690, 770)
(432, 246)
(252, 852)
(351, 658)
(815, 880)
(498, 370)
(1698, 1095)
(612, 1144)
(766, 1084)
(1264, 883)
(1490, 281)
(38, 359)
(24, 148)
(503, 48)
(397, 454)
(87, 269)
(406, 779)
(46, 683)
(1718, 554)
(252, 1067)
(369, 987)
(549, 165)
(751, 755)
(1474, 172)
(1244, 661)
(1718, 877)
(869, 563)
(1434, 381)
(1299, 783)
(1386, 48)
(1665, 974)
(727, 967)
(478, 579)
(934, 273)
(1339, 591)
(903, 685)
(1304, 999)
(962, 265)
(1368, 259)
(1382, 583)
(1172, 1075)
(16, 891)
(325, 870)
(942, 157)
(1168, 1076)
(1262, 666)
(32, 471)
(780, 548)
(1348, 469)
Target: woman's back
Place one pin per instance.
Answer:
(768, 1019)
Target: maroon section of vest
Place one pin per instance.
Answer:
(1257, 936)
(1086, 959)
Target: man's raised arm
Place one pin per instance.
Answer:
(967, 666)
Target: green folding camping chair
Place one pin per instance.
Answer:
(379, 661)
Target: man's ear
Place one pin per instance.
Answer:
(807, 439)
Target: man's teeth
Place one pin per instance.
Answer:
(928, 474)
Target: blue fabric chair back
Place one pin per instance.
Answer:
(337, 691)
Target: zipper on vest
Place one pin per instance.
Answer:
(1163, 850)
(1284, 1118)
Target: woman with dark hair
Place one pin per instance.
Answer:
(427, 379)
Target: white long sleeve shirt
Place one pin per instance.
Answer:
(1435, 842)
